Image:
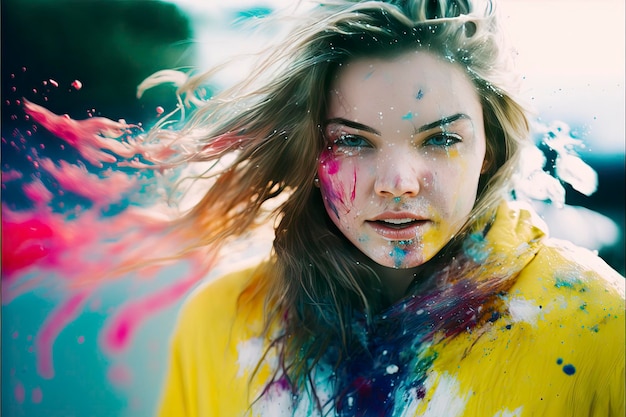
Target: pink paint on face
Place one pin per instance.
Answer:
(339, 194)
(417, 176)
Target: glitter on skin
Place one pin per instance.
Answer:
(390, 153)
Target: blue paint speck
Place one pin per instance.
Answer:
(419, 95)
(569, 369)
(559, 361)
(398, 254)
(407, 116)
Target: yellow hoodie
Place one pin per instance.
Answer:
(557, 349)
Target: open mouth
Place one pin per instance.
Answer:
(398, 223)
(405, 229)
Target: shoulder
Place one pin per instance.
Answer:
(216, 304)
(573, 301)
(558, 346)
(218, 321)
(564, 269)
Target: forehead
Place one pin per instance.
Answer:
(415, 82)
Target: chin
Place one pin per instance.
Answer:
(398, 257)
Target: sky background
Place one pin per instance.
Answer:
(571, 54)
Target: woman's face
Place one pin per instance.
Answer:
(405, 150)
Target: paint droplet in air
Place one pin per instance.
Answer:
(53, 82)
(77, 84)
(19, 393)
(159, 110)
(119, 375)
(36, 395)
(392, 369)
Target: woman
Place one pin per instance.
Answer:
(404, 279)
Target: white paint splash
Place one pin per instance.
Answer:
(249, 354)
(506, 413)
(523, 310)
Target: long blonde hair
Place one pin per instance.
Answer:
(271, 121)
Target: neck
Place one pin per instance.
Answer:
(397, 281)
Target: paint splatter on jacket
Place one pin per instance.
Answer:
(552, 344)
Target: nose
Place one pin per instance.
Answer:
(398, 175)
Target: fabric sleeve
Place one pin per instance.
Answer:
(174, 397)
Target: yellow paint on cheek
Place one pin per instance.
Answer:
(432, 241)
(452, 153)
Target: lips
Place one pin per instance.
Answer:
(397, 226)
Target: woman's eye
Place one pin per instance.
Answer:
(352, 141)
(443, 140)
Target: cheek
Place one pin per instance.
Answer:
(453, 190)
(338, 179)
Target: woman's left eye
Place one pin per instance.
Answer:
(443, 140)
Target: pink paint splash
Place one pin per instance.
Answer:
(118, 332)
(38, 193)
(100, 140)
(38, 240)
(57, 321)
(119, 375)
(222, 143)
(19, 393)
(23, 243)
(76, 251)
(77, 179)
(11, 175)
(91, 137)
(36, 396)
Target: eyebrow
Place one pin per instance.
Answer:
(443, 121)
(360, 126)
(350, 123)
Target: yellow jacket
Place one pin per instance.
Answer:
(558, 351)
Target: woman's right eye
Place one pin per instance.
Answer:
(352, 141)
